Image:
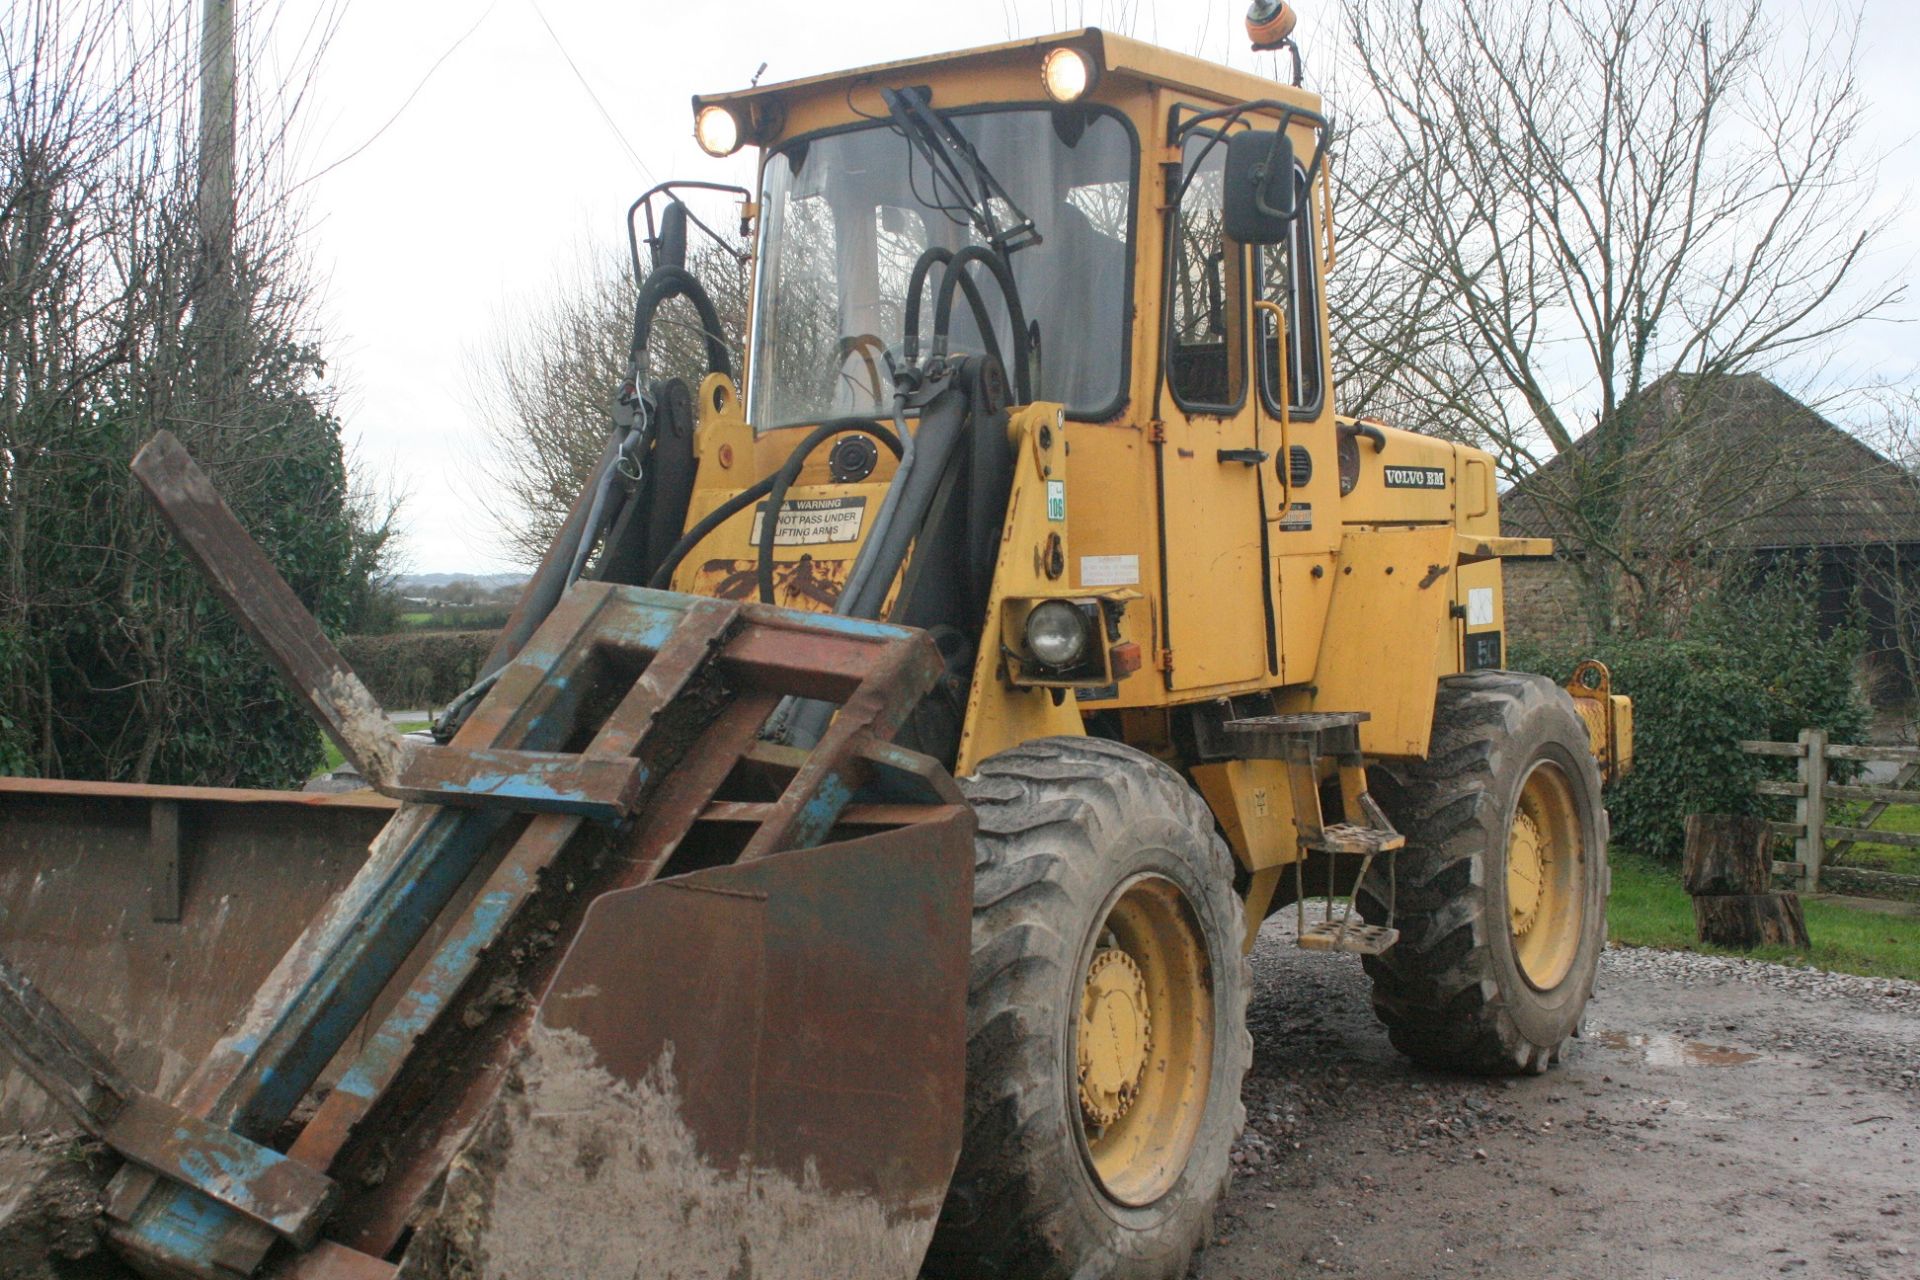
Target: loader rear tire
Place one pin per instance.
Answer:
(1101, 889)
(1501, 891)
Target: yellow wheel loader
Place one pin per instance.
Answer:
(846, 865)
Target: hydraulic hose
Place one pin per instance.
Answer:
(566, 559)
(667, 282)
(661, 284)
(1003, 276)
(916, 287)
(943, 424)
(927, 454)
(663, 576)
(889, 505)
(790, 471)
(605, 477)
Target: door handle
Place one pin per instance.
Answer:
(1246, 457)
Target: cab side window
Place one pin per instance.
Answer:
(1205, 292)
(1286, 276)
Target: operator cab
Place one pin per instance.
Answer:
(946, 252)
(846, 216)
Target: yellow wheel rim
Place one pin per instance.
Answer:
(1546, 877)
(1143, 1041)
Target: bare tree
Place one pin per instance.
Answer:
(116, 321)
(543, 386)
(1556, 204)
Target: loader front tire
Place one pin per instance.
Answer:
(1501, 891)
(1106, 1021)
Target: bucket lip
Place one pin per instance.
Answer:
(371, 800)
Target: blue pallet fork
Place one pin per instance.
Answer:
(607, 820)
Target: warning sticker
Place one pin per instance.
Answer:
(1109, 571)
(1299, 518)
(807, 522)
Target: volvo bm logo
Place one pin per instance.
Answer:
(1416, 477)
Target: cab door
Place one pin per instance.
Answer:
(1219, 607)
(1297, 426)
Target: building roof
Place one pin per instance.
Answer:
(1734, 463)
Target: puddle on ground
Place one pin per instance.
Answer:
(1662, 1050)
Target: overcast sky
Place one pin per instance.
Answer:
(526, 143)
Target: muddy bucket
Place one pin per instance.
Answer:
(750, 1071)
(151, 914)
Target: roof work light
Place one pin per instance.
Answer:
(717, 131)
(1067, 73)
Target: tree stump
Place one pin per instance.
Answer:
(1749, 920)
(1727, 854)
(1728, 870)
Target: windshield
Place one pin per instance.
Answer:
(845, 217)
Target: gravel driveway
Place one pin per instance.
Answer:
(1721, 1118)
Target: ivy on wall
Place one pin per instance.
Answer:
(1753, 662)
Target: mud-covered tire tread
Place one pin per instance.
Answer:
(1437, 989)
(1043, 809)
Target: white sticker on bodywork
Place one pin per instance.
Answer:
(808, 522)
(1480, 606)
(1109, 571)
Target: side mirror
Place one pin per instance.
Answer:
(670, 244)
(1261, 200)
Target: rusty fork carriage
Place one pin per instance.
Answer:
(621, 746)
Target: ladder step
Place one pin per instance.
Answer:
(1300, 722)
(1303, 737)
(1362, 842)
(1356, 939)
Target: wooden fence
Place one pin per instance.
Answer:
(1811, 791)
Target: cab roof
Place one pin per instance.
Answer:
(1115, 55)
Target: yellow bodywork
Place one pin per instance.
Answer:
(1356, 591)
(1608, 716)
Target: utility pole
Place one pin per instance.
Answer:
(214, 306)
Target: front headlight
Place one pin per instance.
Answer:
(1056, 634)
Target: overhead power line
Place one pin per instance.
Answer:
(606, 115)
(408, 102)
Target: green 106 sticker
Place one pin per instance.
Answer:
(1056, 500)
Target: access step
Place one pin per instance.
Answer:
(1360, 842)
(1304, 735)
(1351, 938)
(1300, 722)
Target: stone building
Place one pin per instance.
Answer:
(1727, 476)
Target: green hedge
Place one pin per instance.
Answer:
(418, 669)
(16, 755)
(1755, 663)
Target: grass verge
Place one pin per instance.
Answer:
(335, 759)
(1904, 818)
(1650, 909)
